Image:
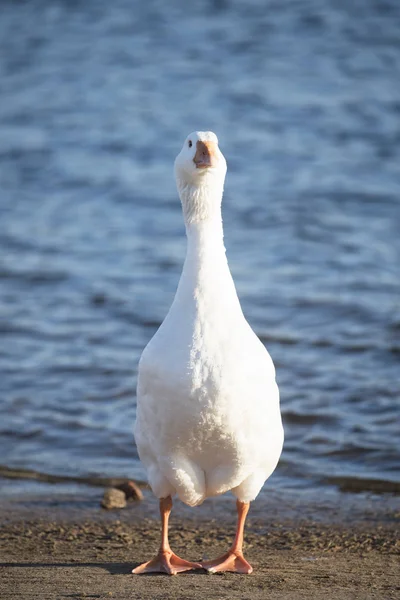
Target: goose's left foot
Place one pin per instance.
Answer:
(231, 561)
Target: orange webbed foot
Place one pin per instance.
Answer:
(231, 561)
(166, 562)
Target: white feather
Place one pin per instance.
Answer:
(208, 417)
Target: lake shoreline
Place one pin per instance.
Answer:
(66, 546)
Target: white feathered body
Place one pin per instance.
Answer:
(208, 416)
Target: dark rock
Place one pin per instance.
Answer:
(131, 490)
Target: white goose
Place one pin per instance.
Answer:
(208, 416)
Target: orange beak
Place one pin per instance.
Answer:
(206, 155)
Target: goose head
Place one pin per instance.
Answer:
(200, 170)
(200, 157)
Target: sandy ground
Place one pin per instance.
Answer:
(57, 554)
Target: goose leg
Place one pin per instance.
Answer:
(166, 561)
(233, 560)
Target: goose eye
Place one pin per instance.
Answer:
(190, 143)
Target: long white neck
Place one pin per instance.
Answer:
(201, 205)
(201, 200)
(206, 273)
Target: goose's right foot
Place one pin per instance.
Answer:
(168, 562)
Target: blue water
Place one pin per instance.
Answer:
(96, 100)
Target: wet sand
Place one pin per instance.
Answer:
(51, 550)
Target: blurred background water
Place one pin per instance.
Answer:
(96, 99)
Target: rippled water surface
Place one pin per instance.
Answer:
(96, 99)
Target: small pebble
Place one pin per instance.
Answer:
(113, 498)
